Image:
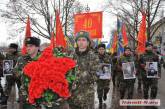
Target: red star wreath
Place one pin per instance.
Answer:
(48, 72)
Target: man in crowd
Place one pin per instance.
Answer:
(149, 83)
(126, 85)
(103, 84)
(32, 47)
(83, 95)
(11, 59)
(2, 95)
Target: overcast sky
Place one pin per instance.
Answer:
(95, 5)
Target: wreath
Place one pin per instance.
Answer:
(49, 77)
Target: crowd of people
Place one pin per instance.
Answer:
(95, 65)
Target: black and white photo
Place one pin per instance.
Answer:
(152, 69)
(129, 70)
(7, 67)
(104, 72)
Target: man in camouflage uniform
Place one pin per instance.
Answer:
(126, 85)
(103, 85)
(149, 83)
(83, 95)
(32, 45)
(11, 55)
(157, 52)
(2, 95)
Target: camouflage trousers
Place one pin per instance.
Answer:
(102, 88)
(126, 86)
(114, 77)
(150, 84)
(83, 97)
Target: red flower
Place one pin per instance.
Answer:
(48, 72)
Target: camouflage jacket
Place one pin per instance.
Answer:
(148, 57)
(23, 88)
(87, 63)
(105, 58)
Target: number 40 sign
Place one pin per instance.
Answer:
(91, 22)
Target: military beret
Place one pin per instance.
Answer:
(82, 34)
(32, 40)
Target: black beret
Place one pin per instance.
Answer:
(13, 45)
(32, 40)
(101, 45)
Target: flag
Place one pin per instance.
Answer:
(142, 38)
(120, 48)
(52, 44)
(114, 43)
(109, 45)
(124, 33)
(27, 34)
(97, 42)
(60, 38)
(90, 22)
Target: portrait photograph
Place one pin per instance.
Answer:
(152, 69)
(104, 72)
(129, 70)
(7, 67)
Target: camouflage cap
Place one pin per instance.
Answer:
(127, 48)
(32, 40)
(82, 34)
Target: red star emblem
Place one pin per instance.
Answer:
(48, 72)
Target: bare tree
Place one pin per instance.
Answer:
(42, 14)
(130, 12)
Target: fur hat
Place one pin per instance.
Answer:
(32, 40)
(13, 45)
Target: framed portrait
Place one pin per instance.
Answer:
(129, 70)
(152, 69)
(7, 67)
(105, 71)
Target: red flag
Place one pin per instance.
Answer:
(124, 33)
(114, 43)
(90, 22)
(52, 44)
(27, 34)
(60, 38)
(142, 38)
